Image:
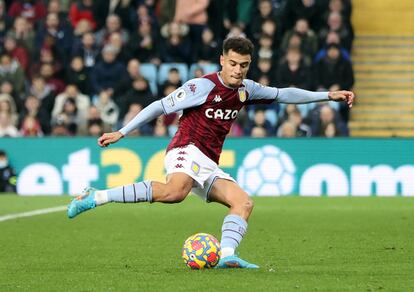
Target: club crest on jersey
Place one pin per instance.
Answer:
(195, 167)
(242, 94)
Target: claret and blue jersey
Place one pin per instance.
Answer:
(209, 109)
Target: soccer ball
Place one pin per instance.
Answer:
(201, 251)
(267, 171)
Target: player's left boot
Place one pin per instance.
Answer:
(234, 261)
(82, 203)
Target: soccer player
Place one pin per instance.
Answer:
(210, 105)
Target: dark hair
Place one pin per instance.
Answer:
(240, 45)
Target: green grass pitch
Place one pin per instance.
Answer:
(301, 244)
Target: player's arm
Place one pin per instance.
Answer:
(192, 93)
(265, 94)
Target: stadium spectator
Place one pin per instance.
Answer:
(308, 39)
(143, 43)
(144, 13)
(7, 174)
(266, 50)
(264, 68)
(327, 123)
(94, 123)
(259, 121)
(32, 108)
(88, 50)
(109, 111)
(175, 47)
(68, 116)
(108, 71)
(22, 31)
(265, 12)
(206, 50)
(17, 52)
(305, 9)
(53, 35)
(113, 24)
(173, 78)
(82, 11)
(72, 107)
(32, 10)
(47, 71)
(44, 92)
(47, 56)
(294, 71)
(287, 130)
(139, 93)
(332, 38)
(124, 55)
(125, 84)
(7, 127)
(10, 70)
(333, 71)
(7, 88)
(78, 75)
(301, 129)
(30, 127)
(121, 8)
(8, 106)
(336, 24)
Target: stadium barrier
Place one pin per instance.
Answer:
(264, 167)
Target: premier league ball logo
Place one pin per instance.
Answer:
(267, 171)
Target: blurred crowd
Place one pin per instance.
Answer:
(85, 67)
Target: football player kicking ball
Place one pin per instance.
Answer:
(210, 105)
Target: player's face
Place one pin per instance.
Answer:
(234, 68)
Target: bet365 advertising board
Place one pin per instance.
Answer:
(263, 167)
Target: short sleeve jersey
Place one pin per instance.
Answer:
(209, 109)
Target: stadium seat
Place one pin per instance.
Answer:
(149, 71)
(165, 68)
(207, 68)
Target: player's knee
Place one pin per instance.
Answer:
(175, 194)
(248, 205)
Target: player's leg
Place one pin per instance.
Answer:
(234, 227)
(175, 190)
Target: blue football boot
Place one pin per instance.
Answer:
(82, 203)
(234, 261)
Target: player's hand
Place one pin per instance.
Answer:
(342, 95)
(109, 138)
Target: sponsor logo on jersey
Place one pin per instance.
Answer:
(221, 114)
(217, 98)
(192, 87)
(242, 94)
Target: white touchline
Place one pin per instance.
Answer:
(32, 213)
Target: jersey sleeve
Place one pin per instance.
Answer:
(193, 93)
(258, 93)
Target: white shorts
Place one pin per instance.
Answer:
(191, 161)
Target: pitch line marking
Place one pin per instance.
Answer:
(32, 213)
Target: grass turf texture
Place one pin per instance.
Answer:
(307, 244)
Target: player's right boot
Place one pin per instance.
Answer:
(82, 203)
(234, 261)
